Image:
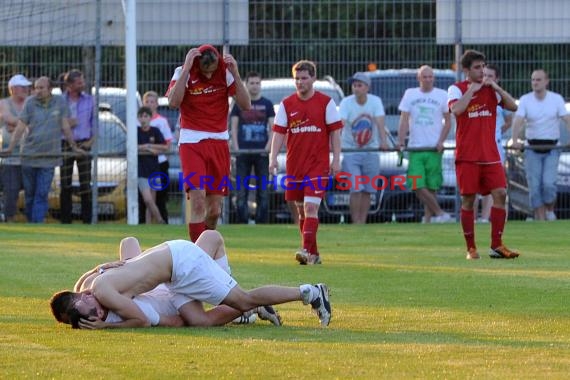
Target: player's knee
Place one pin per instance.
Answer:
(213, 236)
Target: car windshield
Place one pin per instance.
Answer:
(112, 136)
(277, 92)
(391, 88)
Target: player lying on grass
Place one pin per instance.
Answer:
(186, 270)
(160, 305)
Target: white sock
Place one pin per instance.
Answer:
(224, 264)
(309, 293)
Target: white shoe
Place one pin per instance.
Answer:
(302, 256)
(268, 313)
(443, 218)
(550, 216)
(245, 319)
(482, 221)
(322, 306)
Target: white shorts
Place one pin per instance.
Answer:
(196, 275)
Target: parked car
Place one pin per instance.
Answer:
(519, 203)
(278, 89)
(111, 173)
(391, 84)
(392, 202)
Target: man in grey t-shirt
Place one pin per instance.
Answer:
(44, 116)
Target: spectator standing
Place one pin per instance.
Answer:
(150, 100)
(477, 162)
(425, 115)
(200, 88)
(81, 115)
(504, 119)
(44, 117)
(542, 110)
(363, 117)
(251, 129)
(10, 109)
(151, 144)
(311, 123)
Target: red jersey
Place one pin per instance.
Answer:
(205, 104)
(475, 134)
(308, 124)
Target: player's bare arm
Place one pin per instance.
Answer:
(242, 95)
(508, 101)
(269, 133)
(122, 305)
(276, 144)
(85, 281)
(176, 94)
(460, 105)
(94, 323)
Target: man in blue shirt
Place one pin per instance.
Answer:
(81, 114)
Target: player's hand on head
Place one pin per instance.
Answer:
(93, 323)
(230, 62)
(190, 56)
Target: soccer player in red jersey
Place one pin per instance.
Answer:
(477, 162)
(200, 88)
(310, 121)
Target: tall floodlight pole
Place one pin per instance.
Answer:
(129, 9)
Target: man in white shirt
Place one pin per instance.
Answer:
(542, 110)
(423, 109)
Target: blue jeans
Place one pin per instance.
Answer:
(12, 183)
(260, 164)
(37, 183)
(541, 174)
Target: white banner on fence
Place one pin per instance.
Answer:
(505, 21)
(73, 22)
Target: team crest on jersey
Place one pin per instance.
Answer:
(362, 130)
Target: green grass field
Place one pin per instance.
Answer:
(406, 304)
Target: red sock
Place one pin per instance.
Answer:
(310, 234)
(498, 218)
(195, 230)
(468, 224)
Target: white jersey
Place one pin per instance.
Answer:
(153, 303)
(426, 111)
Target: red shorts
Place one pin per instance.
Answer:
(474, 178)
(206, 166)
(297, 191)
